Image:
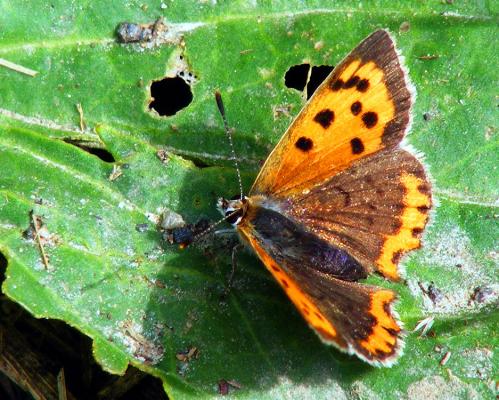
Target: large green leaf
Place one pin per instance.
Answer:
(143, 301)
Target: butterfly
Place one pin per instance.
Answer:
(339, 198)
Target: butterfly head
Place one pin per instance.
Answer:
(234, 209)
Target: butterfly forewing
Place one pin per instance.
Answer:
(361, 108)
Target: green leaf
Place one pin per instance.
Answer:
(144, 301)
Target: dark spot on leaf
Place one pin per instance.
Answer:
(141, 228)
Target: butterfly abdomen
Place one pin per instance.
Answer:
(288, 243)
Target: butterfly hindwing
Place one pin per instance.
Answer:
(375, 210)
(355, 318)
(361, 108)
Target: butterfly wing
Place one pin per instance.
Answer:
(376, 210)
(355, 318)
(361, 108)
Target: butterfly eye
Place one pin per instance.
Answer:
(234, 217)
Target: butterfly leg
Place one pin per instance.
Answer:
(235, 249)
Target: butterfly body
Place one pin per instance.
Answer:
(338, 199)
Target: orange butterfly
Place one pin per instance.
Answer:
(338, 198)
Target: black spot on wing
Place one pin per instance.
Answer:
(363, 85)
(304, 144)
(351, 82)
(356, 108)
(337, 85)
(324, 118)
(370, 119)
(357, 146)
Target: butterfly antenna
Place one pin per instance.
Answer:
(228, 131)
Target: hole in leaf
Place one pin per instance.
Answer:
(296, 77)
(170, 95)
(317, 76)
(3, 267)
(196, 161)
(103, 154)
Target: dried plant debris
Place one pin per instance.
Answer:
(115, 173)
(38, 232)
(142, 348)
(129, 32)
(188, 355)
(424, 325)
(163, 156)
(153, 34)
(171, 220)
